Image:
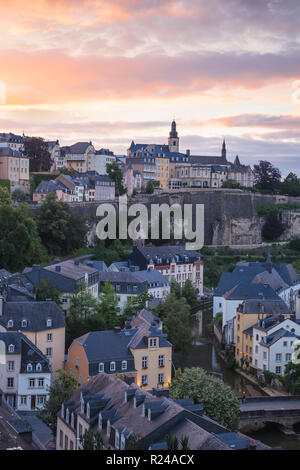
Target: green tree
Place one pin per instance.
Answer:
(266, 176)
(61, 231)
(190, 293)
(20, 244)
(291, 379)
(272, 228)
(219, 401)
(44, 291)
(232, 184)
(82, 303)
(108, 307)
(290, 185)
(37, 150)
(19, 195)
(91, 440)
(4, 196)
(175, 288)
(150, 187)
(137, 302)
(114, 172)
(176, 318)
(61, 390)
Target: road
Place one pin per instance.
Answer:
(271, 405)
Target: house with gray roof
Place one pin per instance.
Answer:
(120, 411)
(25, 372)
(273, 340)
(254, 280)
(43, 323)
(140, 351)
(65, 276)
(125, 283)
(174, 262)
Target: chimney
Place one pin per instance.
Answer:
(188, 152)
(1, 305)
(58, 268)
(35, 267)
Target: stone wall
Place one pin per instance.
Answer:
(230, 217)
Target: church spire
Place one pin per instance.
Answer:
(224, 150)
(173, 140)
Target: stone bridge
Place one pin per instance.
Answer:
(257, 412)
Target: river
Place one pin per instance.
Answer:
(203, 354)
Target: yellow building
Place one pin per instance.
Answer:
(14, 166)
(42, 322)
(162, 171)
(247, 315)
(79, 157)
(140, 351)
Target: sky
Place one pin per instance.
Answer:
(112, 71)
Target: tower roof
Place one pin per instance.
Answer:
(173, 132)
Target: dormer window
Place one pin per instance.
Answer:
(152, 342)
(10, 324)
(11, 348)
(24, 323)
(112, 366)
(38, 367)
(124, 365)
(101, 367)
(29, 367)
(49, 323)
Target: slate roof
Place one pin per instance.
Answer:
(107, 345)
(9, 152)
(79, 147)
(274, 337)
(142, 256)
(271, 307)
(282, 276)
(252, 291)
(99, 265)
(36, 314)
(153, 277)
(120, 276)
(10, 426)
(174, 418)
(28, 351)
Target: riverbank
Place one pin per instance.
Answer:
(272, 392)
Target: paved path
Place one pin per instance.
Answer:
(271, 405)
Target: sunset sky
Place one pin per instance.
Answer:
(115, 70)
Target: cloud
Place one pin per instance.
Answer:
(55, 77)
(257, 120)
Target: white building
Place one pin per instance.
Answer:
(99, 160)
(273, 339)
(25, 373)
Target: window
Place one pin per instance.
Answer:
(278, 370)
(288, 357)
(80, 430)
(24, 323)
(101, 367)
(66, 442)
(285, 343)
(264, 355)
(31, 383)
(144, 362)
(124, 365)
(152, 342)
(144, 379)
(161, 378)
(256, 349)
(49, 352)
(41, 382)
(49, 337)
(11, 348)
(41, 399)
(11, 365)
(278, 357)
(29, 367)
(61, 438)
(23, 400)
(71, 445)
(49, 322)
(161, 361)
(112, 366)
(10, 382)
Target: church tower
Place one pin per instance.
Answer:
(173, 140)
(224, 150)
